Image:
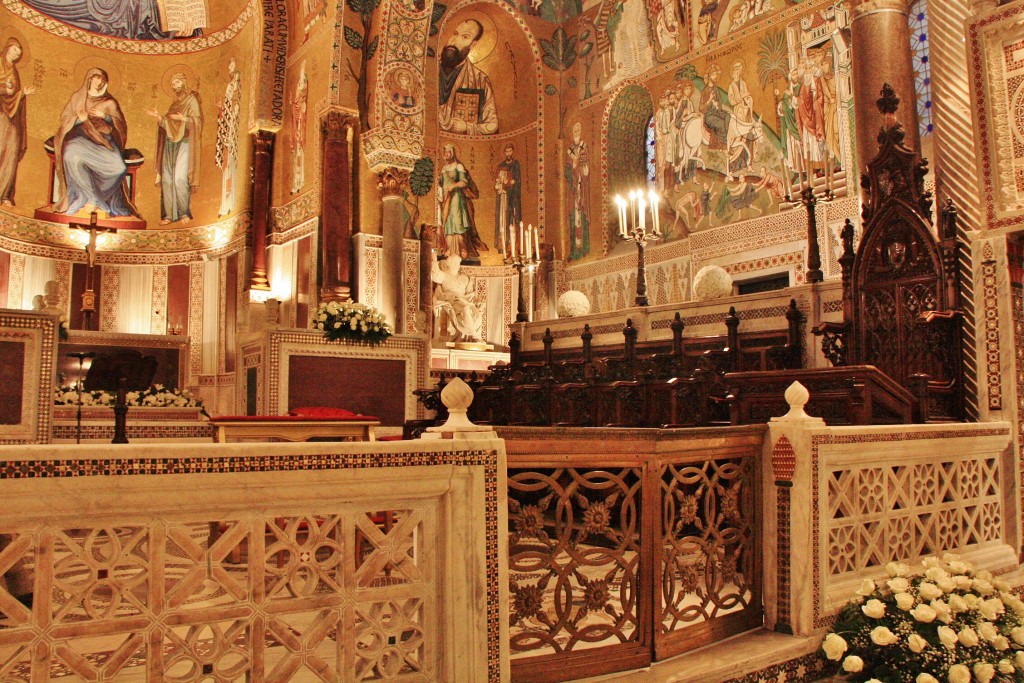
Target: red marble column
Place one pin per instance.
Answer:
(338, 204)
(881, 54)
(262, 167)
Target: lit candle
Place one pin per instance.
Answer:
(522, 242)
(655, 218)
(528, 242)
(536, 241)
(621, 203)
(641, 212)
(512, 234)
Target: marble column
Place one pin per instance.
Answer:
(262, 168)
(391, 182)
(881, 54)
(338, 204)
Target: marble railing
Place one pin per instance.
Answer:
(629, 545)
(341, 562)
(842, 502)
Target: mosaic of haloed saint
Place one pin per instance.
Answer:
(741, 136)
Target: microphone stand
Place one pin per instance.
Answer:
(81, 356)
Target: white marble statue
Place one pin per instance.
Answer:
(455, 304)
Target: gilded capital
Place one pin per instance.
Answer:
(337, 125)
(263, 141)
(391, 181)
(864, 8)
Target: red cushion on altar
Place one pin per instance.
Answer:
(325, 413)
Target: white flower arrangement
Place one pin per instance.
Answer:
(351, 321)
(947, 625)
(157, 396)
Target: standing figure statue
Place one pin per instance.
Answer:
(455, 304)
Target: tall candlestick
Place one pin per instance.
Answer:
(655, 222)
(642, 212)
(512, 234)
(522, 242)
(536, 241)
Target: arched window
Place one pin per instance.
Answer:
(922, 68)
(652, 161)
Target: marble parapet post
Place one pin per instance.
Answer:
(881, 54)
(338, 204)
(842, 502)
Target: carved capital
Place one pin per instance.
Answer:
(863, 8)
(263, 141)
(338, 125)
(391, 181)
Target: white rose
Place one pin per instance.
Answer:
(959, 567)
(925, 678)
(944, 614)
(1018, 659)
(984, 574)
(1000, 585)
(968, 636)
(895, 569)
(867, 587)
(916, 642)
(874, 609)
(958, 673)
(337, 325)
(898, 585)
(972, 600)
(947, 637)
(984, 672)
(1006, 666)
(964, 582)
(853, 664)
(930, 562)
(904, 601)
(936, 573)
(991, 608)
(1001, 643)
(987, 631)
(946, 584)
(957, 604)
(834, 646)
(924, 613)
(983, 587)
(880, 635)
(1018, 634)
(929, 591)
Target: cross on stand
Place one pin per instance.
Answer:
(89, 295)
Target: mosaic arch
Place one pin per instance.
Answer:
(629, 117)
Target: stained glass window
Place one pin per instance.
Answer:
(922, 69)
(652, 163)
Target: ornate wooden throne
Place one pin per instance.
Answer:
(900, 288)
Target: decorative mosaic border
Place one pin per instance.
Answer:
(990, 297)
(44, 329)
(299, 210)
(69, 432)
(805, 669)
(127, 466)
(280, 344)
(977, 33)
(819, 440)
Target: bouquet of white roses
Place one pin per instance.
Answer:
(157, 396)
(351, 321)
(948, 625)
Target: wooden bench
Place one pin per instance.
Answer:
(293, 427)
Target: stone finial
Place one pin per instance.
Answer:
(797, 397)
(457, 397)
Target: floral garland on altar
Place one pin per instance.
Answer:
(351, 321)
(157, 396)
(947, 625)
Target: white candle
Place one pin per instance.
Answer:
(642, 211)
(528, 242)
(621, 203)
(512, 233)
(536, 241)
(655, 218)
